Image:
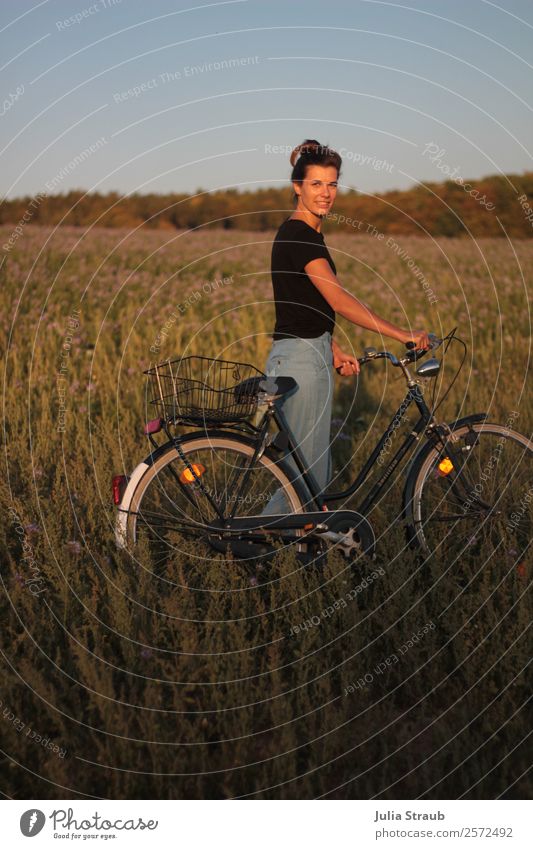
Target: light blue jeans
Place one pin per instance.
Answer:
(307, 410)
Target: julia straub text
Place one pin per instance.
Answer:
(407, 815)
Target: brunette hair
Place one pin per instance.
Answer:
(311, 152)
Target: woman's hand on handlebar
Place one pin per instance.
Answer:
(346, 364)
(420, 338)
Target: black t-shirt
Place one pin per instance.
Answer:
(301, 310)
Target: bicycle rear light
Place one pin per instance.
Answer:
(153, 426)
(445, 466)
(119, 486)
(188, 477)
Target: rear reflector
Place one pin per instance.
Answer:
(120, 483)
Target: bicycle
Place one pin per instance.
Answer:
(467, 485)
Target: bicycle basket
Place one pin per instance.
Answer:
(202, 389)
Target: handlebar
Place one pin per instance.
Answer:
(412, 355)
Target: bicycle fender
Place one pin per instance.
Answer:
(419, 457)
(124, 506)
(171, 443)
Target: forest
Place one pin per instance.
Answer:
(495, 206)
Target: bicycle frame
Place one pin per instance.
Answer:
(414, 395)
(438, 434)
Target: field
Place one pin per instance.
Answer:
(215, 680)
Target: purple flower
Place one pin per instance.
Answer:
(146, 653)
(32, 529)
(74, 546)
(253, 581)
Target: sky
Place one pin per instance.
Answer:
(129, 96)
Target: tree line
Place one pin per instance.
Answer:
(492, 206)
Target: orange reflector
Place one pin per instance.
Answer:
(309, 527)
(445, 466)
(187, 475)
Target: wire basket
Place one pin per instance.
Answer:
(202, 389)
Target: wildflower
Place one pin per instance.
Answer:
(253, 581)
(74, 546)
(32, 528)
(146, 653)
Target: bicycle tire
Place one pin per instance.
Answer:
(158, 492)
(446, 517)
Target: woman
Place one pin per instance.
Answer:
(307, 296)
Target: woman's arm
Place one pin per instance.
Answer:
(320, 273)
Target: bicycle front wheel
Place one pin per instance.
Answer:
(482, 503)
(169, 504)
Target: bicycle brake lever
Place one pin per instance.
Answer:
(434, 342)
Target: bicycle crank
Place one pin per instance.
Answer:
(352, 534)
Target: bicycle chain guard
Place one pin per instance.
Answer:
(346, 528)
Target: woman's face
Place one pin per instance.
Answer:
(318, 190)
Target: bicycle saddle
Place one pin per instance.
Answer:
(274, 387)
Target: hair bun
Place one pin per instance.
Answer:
(308, 146)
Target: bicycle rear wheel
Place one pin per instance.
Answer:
(169, 505)
(484, 506)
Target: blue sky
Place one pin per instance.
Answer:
(166, 97)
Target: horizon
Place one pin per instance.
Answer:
(247, 191)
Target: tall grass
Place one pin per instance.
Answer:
(216, 679)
